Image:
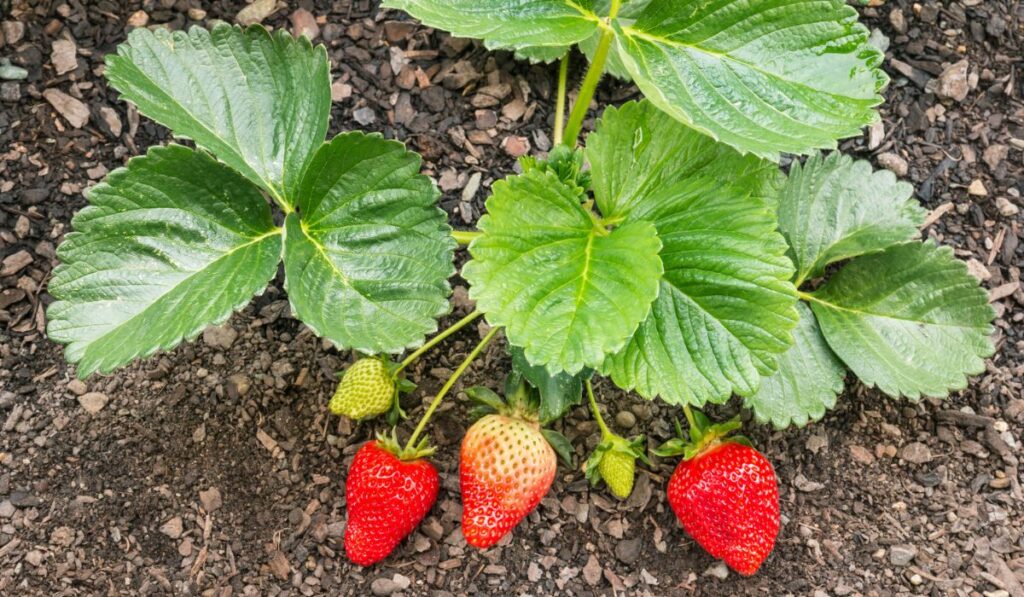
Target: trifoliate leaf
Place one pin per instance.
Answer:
(834, 208)
(170, 244)
(567, 290)
(764, 77)
(538, 29)
(807, 383)
(909, 320)
(259, 102)
(368, 254)
(725, 306)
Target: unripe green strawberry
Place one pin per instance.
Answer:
(614, 461)
(617, 469)
(366, 390)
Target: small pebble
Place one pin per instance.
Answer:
(77, 387)
(718, 571)
(902, 555)
(93, 402)
(364, 116)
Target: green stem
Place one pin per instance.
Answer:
(605, 432)
(464, 237)
(458, 325)
(448, 386)
(689, 416)
(591, 79)
(563, 76)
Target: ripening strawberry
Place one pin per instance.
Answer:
(387, 498)
(505, 468)
(727, 498)
(366, 390)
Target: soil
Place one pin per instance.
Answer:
(215, 469)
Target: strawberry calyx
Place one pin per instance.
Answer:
(390, 443)
(703, 436)
(634, 448)
(522, 402)
(519, 403)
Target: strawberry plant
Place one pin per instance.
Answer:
(669, 253)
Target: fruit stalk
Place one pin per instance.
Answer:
(563, 75)
(688, 412)
(448, 386)
(458, 325)
(605, 432)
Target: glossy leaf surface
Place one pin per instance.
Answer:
(368, 254)
(909, 320)
(170, 244)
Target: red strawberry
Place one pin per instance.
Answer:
(505, 468)
(726, 496)
(387, 498)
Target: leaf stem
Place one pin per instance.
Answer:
(458, 325)
(448, 386)
(591, 79)
(605, 432)
(464, 237)
(563, 76)
(689, 418)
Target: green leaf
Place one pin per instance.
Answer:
(764, 76)
(558, 393)
(637, 149)
(258, 102)
(565, 288)
(725, 306)
(909, 320)
(560, 444)
(538, 29)
(170, 244)
(807, 383)
(368, 262)
(833, 208)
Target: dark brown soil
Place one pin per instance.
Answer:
(882, 497)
